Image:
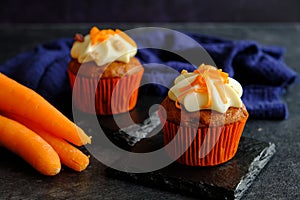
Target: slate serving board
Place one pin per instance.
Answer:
(226, 181)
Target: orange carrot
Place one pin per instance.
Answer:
(29, 146)
(69, 155)
(209, 100)
(177, 104)
(205, 73)
(24, 102)
(98, 36)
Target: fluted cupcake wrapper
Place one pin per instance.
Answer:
(208, 146)
(111, 95)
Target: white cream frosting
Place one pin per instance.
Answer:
(115, 48)
(195, 101)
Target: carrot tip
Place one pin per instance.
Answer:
(55, 172)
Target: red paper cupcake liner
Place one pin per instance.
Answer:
(221, 143)
(111, 95)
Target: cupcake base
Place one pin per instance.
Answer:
(112, 95)
(210, 146)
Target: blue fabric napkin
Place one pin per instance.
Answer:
(261, 70)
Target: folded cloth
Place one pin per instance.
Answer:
(44, 69)
(261, 70)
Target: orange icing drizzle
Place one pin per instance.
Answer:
(205, 73)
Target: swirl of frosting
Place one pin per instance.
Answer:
(104, 46)
(206, 88)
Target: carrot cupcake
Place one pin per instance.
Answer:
(106, 71)
(204, 117)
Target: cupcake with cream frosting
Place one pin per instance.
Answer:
(106, 70)
(204, 115)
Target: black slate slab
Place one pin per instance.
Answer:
(226, 181)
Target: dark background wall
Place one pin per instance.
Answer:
(60, 11)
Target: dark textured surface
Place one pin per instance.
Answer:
(226, 181)
(278, 180)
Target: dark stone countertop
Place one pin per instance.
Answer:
(278, 180)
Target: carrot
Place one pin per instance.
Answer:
(24, 102)
(98, 36)
(205, 73)
(177, 104)
(209, 100)
(69, 155)
(28, 145)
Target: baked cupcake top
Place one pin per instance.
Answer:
(103, 47)
(207, 88)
